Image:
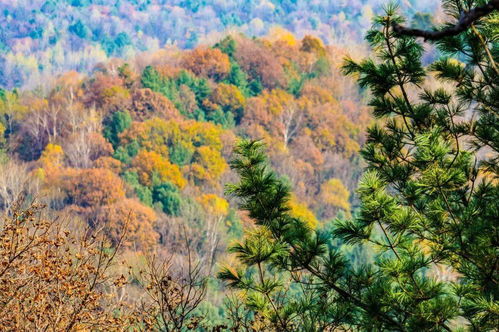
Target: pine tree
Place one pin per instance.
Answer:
(115, 124)
(429, 200)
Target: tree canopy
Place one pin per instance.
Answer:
(428, 201)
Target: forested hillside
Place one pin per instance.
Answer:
(148, 143)
(249, 165)
(42, 38)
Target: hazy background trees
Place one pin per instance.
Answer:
(43, 38)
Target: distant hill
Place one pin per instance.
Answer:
(157, 134)
(39, 38)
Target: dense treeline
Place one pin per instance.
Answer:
(428, 200)
(43, 38)
(112, 186)
(160, 137)
(146, 144)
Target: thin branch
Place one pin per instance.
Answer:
(486, 48)
(465, 21)
(400, 82)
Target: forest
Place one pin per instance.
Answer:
(41, 39)
(280, 179)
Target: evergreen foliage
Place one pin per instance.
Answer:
(238, 78)
(168, 199)
(117, 123)
(429, 201)
(153, 80)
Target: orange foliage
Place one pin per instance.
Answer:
(265, 110)
(107, 92)
(110, 163)
(332, 130)
(207, 62)
(54, 278)
(167, 70)
(100, 147)
(68, 85)
(150, 163)
(317, 94)
(305, 149)
(256, 112)
(257, 60)
(138, 219)
(92, 187)
(275, 115)
(312, 132)
(147, 103)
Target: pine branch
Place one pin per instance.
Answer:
(465, 21)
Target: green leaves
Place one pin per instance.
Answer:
(117, 123)
(428, 202)
(257, 248)
(168, 198)
(449, 69)
(419, 201)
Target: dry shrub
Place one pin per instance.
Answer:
(53, 279)
(59, 276)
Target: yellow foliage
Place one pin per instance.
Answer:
(2, 133)
(334, 194)
(212, 161)
(152, 135)
(157, 134)
(148, 163)
(213, 204)
(279, 34)
(115, 91)
(302, 212)
(203, 133)
(52, 156)
(10, 106)
(201, 139)
(317, 95)
(39, 174)
(313, 45)
(277, 101)
(229, 97)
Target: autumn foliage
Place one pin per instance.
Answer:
(155, 135)
(207, 62)
(52, 278)
(145, 146)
